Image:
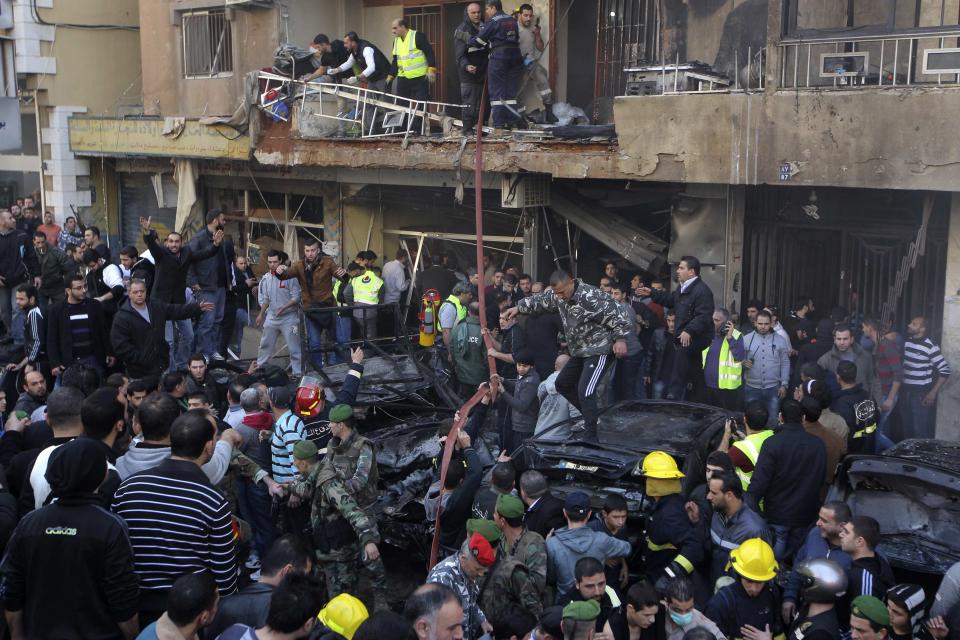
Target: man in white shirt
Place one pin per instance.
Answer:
(396, 282)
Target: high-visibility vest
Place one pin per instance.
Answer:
(730, 372)
(336, 292)
(411, 62)
(750, 447)
(366, 288)
(461, 310)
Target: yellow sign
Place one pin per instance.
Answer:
(126, 137)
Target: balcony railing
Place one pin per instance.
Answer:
(871, 61)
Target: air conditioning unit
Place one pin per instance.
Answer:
(248, 4)
(522, 190)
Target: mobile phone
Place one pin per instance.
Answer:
(21, 414)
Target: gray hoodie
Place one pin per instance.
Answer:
(554, 408)
(566, 546)
(140, 458)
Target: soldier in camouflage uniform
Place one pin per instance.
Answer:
(353, 458)
(465, 573)
(508, 590)
(528, 548)
(596, 330)
(339, 526)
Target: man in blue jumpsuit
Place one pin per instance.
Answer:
(500, 34)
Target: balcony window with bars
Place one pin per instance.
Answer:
(207, 44)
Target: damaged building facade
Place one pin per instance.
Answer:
(795, 146)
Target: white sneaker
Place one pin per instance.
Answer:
(217, 356)
(255, 576)
(253, 562)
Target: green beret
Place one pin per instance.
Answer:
(341, 412)
(582, 610)
(304, 450)
(509, 506)
(487, 528)
(872, 609)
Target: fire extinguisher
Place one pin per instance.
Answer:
(428, 317)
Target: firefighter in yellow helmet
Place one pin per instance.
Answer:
(343, 614)
(674, 545)
(749, 608)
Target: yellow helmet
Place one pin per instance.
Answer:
(343, 615)
(754, 560)
(660, 465)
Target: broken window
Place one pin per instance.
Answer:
(877, 15)
(207, 44)
(627, 37)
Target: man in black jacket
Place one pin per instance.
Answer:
(692, 304)
(859, 411)
(210, 281)
(77, 331)
(471, 66)
(544, 510)
(72, 551)
(18, 262)
(138, 330)
(172, 260)
(787, 480)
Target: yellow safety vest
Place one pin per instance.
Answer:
(461, 310)
(336, 291)
(411, 62)
(366, 288)
(730, 372)
(750, 447)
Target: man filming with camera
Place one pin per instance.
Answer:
(723, 363)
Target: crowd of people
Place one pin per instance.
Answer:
(145, 497)
(490, 46)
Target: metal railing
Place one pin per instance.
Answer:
(375, 114)
(693, 77)
(866, 61)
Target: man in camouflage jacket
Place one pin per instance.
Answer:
(511, 587)
(521, 545)
(339, 526)
(596, 329)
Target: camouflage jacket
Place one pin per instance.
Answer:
(331, 502)
(448, 572)
(530, 550)
(511, 590)
(592, 321)
(356, 464)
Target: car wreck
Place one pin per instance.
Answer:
(913, 491)
(627, 431)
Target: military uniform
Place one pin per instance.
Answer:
(509, 589)
(449, 573)
(340, 527)
(530, 550)
(356, 465)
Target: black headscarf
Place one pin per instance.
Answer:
(75, 471)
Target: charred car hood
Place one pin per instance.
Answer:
(913, 491)
(626, 432)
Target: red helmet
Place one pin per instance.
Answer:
(309, 397)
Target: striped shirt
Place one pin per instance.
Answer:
(920, 357)
(178, 524)
(287, 431)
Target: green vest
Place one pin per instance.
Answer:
(461, 310)
(336, 292)
(750, 447)
(366, 288)
(730, 372)
(411, 62)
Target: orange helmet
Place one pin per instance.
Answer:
(309, 398)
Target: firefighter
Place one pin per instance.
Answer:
(750, 607)
(823, 581)
(500, 34)
(674, 545)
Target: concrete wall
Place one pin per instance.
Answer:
(867, 138)
(948, 406)
(165, 90)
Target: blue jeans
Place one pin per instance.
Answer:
(787, 540)
(236, 340)
(884, 441)
(915, 419)
(625, 377)
(208, 329)
(767, 396)
(318, 321)
(180, 345)
(254, 503)
(659, 390)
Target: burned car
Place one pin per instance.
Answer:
(913, 491)
(626, 432)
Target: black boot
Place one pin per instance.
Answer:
(549, 118)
